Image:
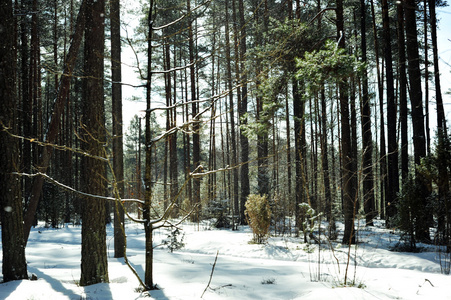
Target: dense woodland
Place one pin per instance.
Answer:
(320, 102)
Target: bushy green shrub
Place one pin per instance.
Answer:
(258, 214)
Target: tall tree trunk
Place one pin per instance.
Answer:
(382, 152)
(195, 116)
(14, 262)
(118, 152)
(186, 141)
(325, 166)
(236, 43)
(27, 103)
(392, 155)
(353, 124)
(402, 94)
(245, 187)
(147, 208)
(94, 266)
(426, 76)
(262, 135)
(367, 139)
(416, 103)
(300, 150)
(349, 199)
(233, 155)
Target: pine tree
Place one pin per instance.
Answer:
(14, 263)
(94, 266)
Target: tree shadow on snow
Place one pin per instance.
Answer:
(102, 290)
(7, 288)
(157, 294)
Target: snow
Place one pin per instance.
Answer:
(283, 268)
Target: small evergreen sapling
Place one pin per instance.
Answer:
(309, 219)
(174, 241)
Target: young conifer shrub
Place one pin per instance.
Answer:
(258, 214)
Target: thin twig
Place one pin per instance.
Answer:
(211, 275)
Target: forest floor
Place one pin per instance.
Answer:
(283, 268)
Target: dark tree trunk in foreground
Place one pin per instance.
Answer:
(416, 103)
(14, 263)
(148, 270)
(118, 151)
(94, 267)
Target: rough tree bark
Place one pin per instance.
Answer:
(94, 266)
(14, 263)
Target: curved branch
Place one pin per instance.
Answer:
(70, 189)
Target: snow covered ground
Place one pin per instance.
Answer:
(283, 268)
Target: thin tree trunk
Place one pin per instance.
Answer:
(118, 152)
(367, 139)
(194, 113)
(402, 94)
(382, 152)
(233, 154)
(288, 136)
(236, 39)
(392, 155)
(245, 187)
(426, 76)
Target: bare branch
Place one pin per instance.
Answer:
(182, 67)
(70, 189)
(211, 275)
(54, 146)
